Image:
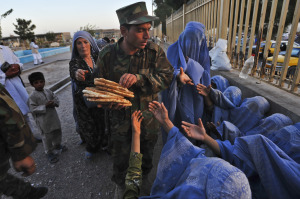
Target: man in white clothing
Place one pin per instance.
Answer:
(13, 83)
(35, 53)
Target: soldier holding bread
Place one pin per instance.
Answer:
(142, 67)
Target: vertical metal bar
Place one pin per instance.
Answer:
(268, 38)
(224, 19)
(254, 17)
(183, 16)
(230, 29)
(218, 19)
(242, 12)
(259, 34)
(215, 21)
(209, 23)
(284, 11)
(236, 16)
(290, 45)
(296, 78)
(246, 32)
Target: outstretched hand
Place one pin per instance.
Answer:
(194, 131)
(159, 111)
(136, 120)
(161, 114)
(203, 90)
(184, 78)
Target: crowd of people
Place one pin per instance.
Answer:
(216, 144)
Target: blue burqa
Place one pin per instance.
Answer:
(246, 116)
(265, 164)
(184, 172)
(183, 101)
(230, 98)
(265, 127)
(220, 82)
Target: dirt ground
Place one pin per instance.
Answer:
(72, 177)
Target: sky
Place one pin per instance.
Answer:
(63, 15)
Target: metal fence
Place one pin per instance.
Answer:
(230, 20)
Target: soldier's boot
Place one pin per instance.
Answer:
(37, 193)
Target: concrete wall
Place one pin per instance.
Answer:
(280, 101)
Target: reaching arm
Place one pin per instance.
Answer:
(133, 178)
(199, 133)
(161, 114)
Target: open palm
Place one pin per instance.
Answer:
(159, 111)
(194, 131)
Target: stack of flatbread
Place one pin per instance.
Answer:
(106, 92)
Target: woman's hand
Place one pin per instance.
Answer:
(159, 111)
(194, 131)
(184, 78)
(203, 90)
(80, 74)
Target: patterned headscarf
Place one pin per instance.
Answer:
(87, 36)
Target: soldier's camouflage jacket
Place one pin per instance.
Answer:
(154, 74)
(16, 139)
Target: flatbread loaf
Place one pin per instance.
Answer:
(119, 92)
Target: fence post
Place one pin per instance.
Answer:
(268, 38)
(183, 15)
(293, 31)
(230, 29)
(224, 19)
(246, 32)
(172, 29)
(254, 17)
(283, 14)
(259, 35)
(241, 20)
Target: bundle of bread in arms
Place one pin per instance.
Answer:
(107, 92)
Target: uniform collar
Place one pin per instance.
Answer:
(122, 53)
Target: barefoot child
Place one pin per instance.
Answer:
(42, 103)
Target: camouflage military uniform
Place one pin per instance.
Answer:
(16, 142)
(154, 73)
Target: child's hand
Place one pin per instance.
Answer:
(159, 111)
(194, 131)
(203, 90)
(136, 119)
(184, 78)
(50, 104)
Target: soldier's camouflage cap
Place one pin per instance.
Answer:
(134, 14)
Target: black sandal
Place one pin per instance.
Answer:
(52, 158)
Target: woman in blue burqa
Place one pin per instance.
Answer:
(190, 59)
